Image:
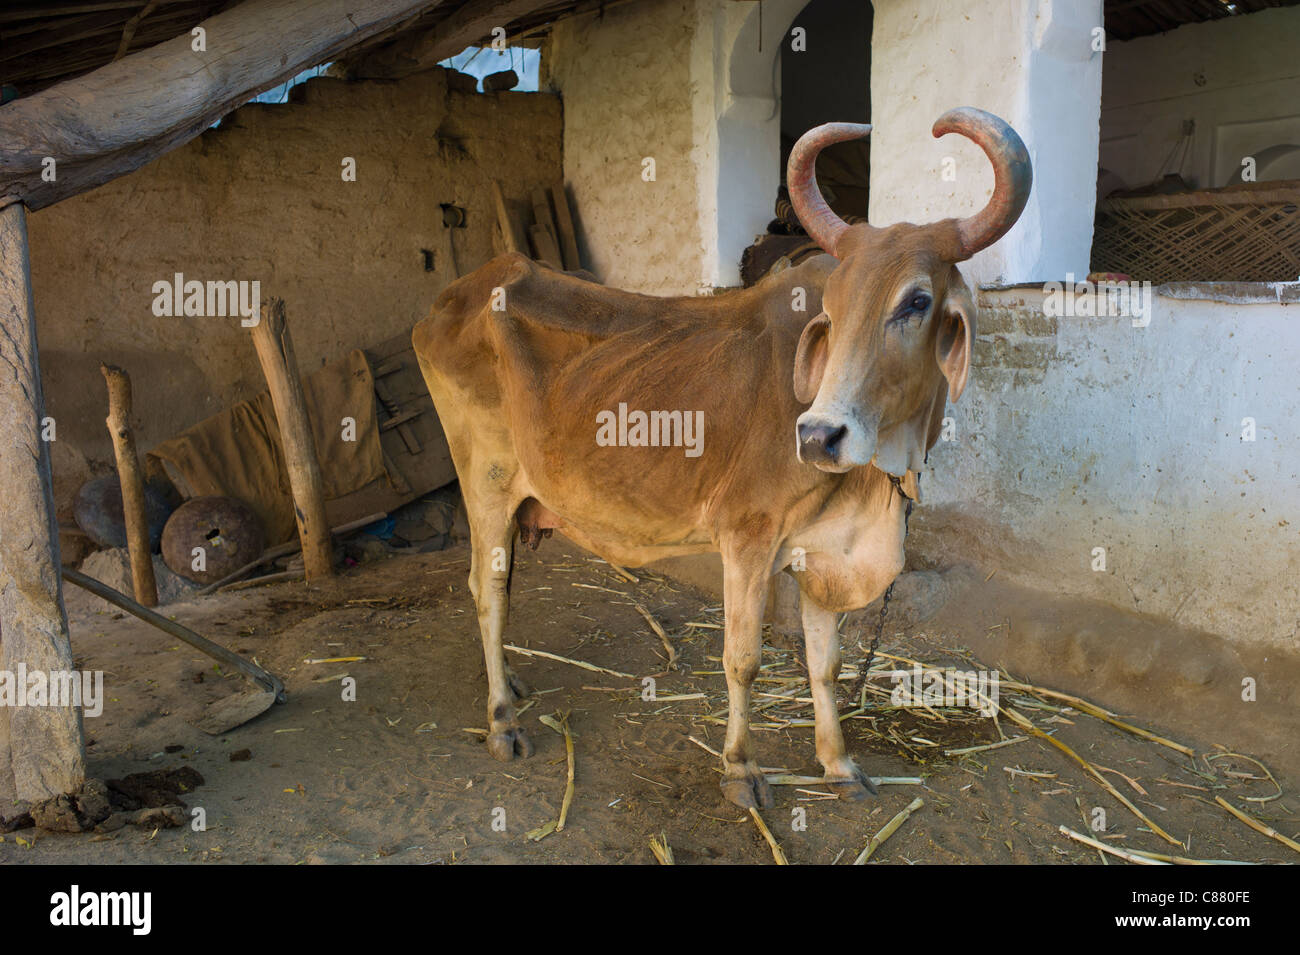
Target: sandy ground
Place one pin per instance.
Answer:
(402, 775)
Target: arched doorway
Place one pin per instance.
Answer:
(829, 82)
(819, 72)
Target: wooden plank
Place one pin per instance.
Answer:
(42, 751)
(509, 232)
(390, 405)
(120, 117)
(567, 234)
(398, 420)
(542, 212)
(545, 248)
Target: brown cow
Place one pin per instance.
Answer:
(533, 373)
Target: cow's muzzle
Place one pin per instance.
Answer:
(821, 442)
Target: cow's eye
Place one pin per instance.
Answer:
(919, 303)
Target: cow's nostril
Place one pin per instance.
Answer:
(821, 442)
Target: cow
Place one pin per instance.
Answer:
(529, 368)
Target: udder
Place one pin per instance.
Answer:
(536, 521)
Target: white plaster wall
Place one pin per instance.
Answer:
(1078, 433)
(1030, 62)
(1237, 79)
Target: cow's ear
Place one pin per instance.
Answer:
(810, 358)
(956, 339)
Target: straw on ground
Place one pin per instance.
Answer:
(890, 828)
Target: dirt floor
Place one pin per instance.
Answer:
(402, 774)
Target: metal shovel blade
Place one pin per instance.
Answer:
(231, 711)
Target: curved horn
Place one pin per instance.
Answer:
(823, 225)
(1012, 174)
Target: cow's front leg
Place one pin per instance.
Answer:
(822, 638)
(492, 542)
(744, 594)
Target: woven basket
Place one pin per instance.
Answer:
(1244, 233)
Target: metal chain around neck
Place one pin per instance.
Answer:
(859, 685)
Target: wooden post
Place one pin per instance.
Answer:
(128, 476)
(45, 753)
(275, 351)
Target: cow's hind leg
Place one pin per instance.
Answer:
(744, 595)
(821, 635)
(492, 534)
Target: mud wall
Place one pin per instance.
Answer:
(263, 198)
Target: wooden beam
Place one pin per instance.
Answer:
(123, 115)
(416, 51)
(275, 351)
(45, 753)
(132, 485)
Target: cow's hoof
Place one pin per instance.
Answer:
(856, 788)
(748, 792)
(510, 743)
(518, 687)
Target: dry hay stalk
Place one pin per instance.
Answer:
(661, 849)
(777, 853)
(1257, 825)
(1033, 730)
(568, 785)
(1139, 857)
(659, 632)
(965, 751)
(1250, 759)
(1102, 847)
(559, 659)
(1106, 716)
(890, 828)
